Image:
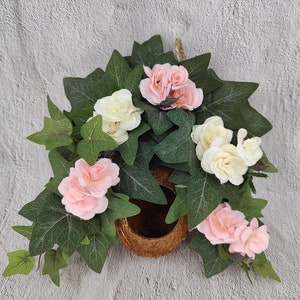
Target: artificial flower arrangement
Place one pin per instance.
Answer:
(145, 111)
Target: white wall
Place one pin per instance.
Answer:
(44, 41)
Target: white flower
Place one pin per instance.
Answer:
(249, 150)
(225, 163)
(204, 135)
(118, 115)
(113, 129)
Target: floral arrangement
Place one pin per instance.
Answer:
(145, 110)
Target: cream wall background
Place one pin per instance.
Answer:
(43, 41)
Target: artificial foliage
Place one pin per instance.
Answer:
(163, 137)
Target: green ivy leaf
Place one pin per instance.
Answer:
(183, 148)
(54, 111)
(61, 169)
(265, 165)
(54, 225)
(54, 261)
(83, 92)
(129, 149)
(94, 140)
(226, 102)
(253, 121)
(118, 207)
(96, 251)
(137, 181)
(133, 79)
(56, 133)
(150, 53)
(117, 69)
(24, 230)
(179, 206)
(204, 193)
(213, 264)
(263, 266)
(251, 207)
(32, 209)
(156, 118)
(20, 262)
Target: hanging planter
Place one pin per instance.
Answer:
(152, 108)
(147, 234)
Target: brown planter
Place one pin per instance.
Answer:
(147, 234)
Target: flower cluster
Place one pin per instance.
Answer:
(227, 226)
(218, 156)
(169, 87)
(119, 115)
(85, 188)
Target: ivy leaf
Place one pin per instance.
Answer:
(137, 181)
(203, 194)
(54, 111)
(213, 264)
(129, 149)
(226, 102)
(94, 140)
(150, 53)
(54, 225)
(251, 207)
(61, 169)
(253, 121)
(20, 262)
(183, 148)
(56, 133)
(96, 251)
(263, 266)
(32, 209)
(133, 79)
(117, 69)
(179, 206)
(265, 165)
(24, 230)
(54, 261)
(118, 207)
(83, 92)
(156, 118)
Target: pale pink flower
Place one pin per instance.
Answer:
(85, 188)
(178, 77)
(166, 82)
(189, 97)
(220, 225)
(250, 240)
(156, 88)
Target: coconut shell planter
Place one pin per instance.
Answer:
(154, 149)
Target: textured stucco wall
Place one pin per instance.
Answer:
(43, 41)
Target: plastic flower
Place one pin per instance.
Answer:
(250, 239)
(204, 135)
(224, 162)
(219, 227)
(249, 150)
(85, 188)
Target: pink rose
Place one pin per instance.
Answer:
(85, 188)
(189, 97)
(250, 239)
(178, 77)
(219, 227)
(166, 83)
(157, 87)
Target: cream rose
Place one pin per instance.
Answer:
(118, 115)
(204, 135)
(225, 163)
(249, 150)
